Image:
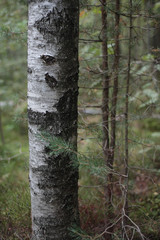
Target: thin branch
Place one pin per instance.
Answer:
(89, 40)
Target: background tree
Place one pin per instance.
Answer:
(137, 113)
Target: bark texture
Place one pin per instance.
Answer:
(52, 107)
(105, 96)
(126, 160)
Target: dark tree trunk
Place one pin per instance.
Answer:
(115, 82)
(126, 160)
(105, 121)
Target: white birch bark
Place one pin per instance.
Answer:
(52, 107)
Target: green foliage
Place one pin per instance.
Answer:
(15, 217)
(151, 206)
(156, 8)
(58, 145)
(94, 165)
(78, 233)
(151, 96)
(83, 3)
(148, 57)
(15, 212)
(13, 32)
(17, 205)
(152, 124)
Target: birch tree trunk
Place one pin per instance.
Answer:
(52, 107)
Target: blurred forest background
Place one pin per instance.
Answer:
(142, 68)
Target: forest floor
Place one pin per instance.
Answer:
(15, 210)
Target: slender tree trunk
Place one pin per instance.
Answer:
(115, 84)
(126, 160)
(109, 141)
(105, 121)
(1, 129)
(52, 107)
(127, 103)
(105, 96)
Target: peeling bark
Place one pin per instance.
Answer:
(52, 107)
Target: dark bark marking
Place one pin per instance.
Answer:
(60, 124)
(46, 221)
(67, 102)
(50, 80)
(55, 165)
(49, 227)
(29, 70)
(71, 79)
(41, 46)
(52, 179)
(55, 22)
(48, 59)
(33, 190)
(68, 82)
